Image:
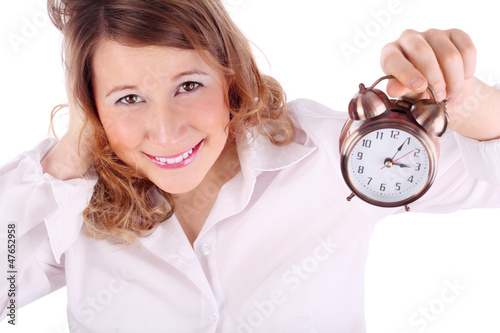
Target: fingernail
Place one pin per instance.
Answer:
(452, 99)
(441, 95)
(417, 83)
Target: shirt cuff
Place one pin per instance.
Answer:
(32, 197)
(481, 158)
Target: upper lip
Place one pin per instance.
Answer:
(176, 155)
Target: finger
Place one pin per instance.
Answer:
(451, 65)
(467, 50)
(408, 78)
(422, 55)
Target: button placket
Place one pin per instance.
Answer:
(214, 316)
(206, 249)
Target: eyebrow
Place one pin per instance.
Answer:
(120, 88)
(175, 78)
(190, 72)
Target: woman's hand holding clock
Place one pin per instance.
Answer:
(445, 60)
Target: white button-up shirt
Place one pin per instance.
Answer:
(281, 251)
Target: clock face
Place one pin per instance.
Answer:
(389, 167)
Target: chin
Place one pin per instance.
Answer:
(177, 188)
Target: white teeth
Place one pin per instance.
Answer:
(178, 159)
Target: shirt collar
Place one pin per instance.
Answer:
(257, 152)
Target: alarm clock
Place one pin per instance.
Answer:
(389, 148)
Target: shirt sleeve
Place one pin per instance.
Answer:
(40, 217)
(468, 176)
(481, 158)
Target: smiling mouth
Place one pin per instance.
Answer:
(176, 161)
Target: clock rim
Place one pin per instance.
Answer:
(350, 139)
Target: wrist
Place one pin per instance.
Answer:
(65, 160)
(475, 114)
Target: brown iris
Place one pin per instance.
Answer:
(189, 86)
(130, 99)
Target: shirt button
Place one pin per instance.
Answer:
(206, 249)
(214, 316)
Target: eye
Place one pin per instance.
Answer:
(189, 86)
(129, 100)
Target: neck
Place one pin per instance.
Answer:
(192, 208)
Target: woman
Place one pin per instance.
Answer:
(177, 120)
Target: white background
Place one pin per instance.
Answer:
(411, 256)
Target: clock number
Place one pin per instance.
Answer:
(418, 166)
(382, 187)
(360, 156)
(380, 135)
(417, 152)
(367, 143)
(410, 179)
(370, 180)
(361, 169)
(398, 186)
(394, 134)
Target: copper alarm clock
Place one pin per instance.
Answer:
(390, 147)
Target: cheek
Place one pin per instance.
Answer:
(122, 134)
(214, 120)
(213, 113)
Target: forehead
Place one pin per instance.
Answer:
(112, 60)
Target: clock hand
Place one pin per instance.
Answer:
(389, 163)
(403, 156)
(400, 147)
(401, 165)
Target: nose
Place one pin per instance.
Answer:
(166, 126)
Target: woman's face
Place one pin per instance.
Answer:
(163, 111)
